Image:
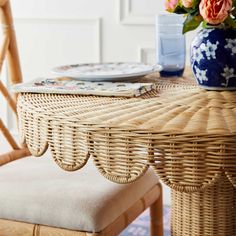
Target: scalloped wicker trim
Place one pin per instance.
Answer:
(178, 127)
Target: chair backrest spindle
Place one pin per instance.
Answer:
(9, 52)
(12, 53)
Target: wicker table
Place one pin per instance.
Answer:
(187, 135)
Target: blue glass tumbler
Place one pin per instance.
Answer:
(170, 44)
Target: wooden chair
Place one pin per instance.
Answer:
(22, 212)
(38, 198)
(9, 50)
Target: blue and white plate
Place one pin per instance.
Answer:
(106, 71)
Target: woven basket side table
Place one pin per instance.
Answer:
(187, 135)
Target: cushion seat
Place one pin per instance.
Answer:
(36, 190)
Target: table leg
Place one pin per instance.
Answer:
(209, 212)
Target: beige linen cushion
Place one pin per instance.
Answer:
(36, 190)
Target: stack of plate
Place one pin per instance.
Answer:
(119, 71)
(107, 79)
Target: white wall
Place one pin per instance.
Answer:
(53, 32)
(56, 32)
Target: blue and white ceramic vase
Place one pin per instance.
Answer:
(213, 58)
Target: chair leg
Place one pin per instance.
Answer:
(156, 216)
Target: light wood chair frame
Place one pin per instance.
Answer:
(9, 52)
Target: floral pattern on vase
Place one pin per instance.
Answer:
(213, 58)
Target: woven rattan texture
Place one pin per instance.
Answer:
(186, 134)
(208, 212)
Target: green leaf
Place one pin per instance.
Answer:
(180, 10)
(230, 22)
(191, 23)
(196, 3)
(233, 12)
(234, 3)
(193, 11)
(204, 24)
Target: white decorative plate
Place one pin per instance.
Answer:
(106, 71)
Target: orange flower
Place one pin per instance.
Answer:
(187, 3)
(215, 11)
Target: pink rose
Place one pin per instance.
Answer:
(170, 5)
(215, 11)
(187, 3)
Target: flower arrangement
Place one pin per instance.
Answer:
(220, 13)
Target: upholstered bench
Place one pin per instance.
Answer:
(38, 198)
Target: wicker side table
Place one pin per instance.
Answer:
(186, 134)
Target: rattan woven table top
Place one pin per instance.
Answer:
(178, 126)
(174, 107)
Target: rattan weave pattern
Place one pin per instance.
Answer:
(186, 134)
(208, 212)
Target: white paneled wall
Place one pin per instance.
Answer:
(46, 43)
(57, 32)
(52, 32)
(138, 12)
